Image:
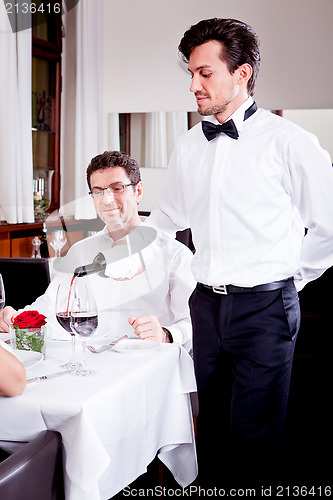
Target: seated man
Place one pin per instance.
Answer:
(12, 373)
(153, 304)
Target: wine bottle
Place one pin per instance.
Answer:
(44, 246)
(97, 266)
(36, 243)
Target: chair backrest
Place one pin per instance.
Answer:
(316, 297)
(24, 279)
(35, 471)
(315, 339)
(186, 238)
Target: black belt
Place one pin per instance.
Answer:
(226, 289)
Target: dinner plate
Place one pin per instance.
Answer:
(4, 336)
(29, 358)
(135, 345)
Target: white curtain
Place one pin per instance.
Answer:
(156, 140)
(177, 125)
(16, 190)
(82, 129)
(161, 134)
(113, 132)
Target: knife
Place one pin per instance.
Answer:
(46, 377)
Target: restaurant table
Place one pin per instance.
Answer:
(113, 423)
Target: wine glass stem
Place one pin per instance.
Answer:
(84, 362)
(73, 349)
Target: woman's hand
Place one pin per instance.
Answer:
(7, 316)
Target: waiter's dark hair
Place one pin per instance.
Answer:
(114, 159)
(239, 43)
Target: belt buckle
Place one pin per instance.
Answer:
(222, 289)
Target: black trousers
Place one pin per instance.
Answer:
(243, 346)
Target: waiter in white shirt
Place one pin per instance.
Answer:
(248, 183)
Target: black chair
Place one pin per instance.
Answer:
(24, 279)
(35, 471)
(309, 427)
(185, 237)
(315, 338)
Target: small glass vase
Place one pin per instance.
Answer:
(28, 339)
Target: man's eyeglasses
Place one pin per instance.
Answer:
(114, 189)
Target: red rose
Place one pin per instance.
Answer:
(29, 319)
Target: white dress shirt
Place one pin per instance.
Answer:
(248, 202)
(162, 290)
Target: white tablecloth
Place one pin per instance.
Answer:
(113, 423)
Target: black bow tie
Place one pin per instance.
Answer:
(211, 131)
(229, 128)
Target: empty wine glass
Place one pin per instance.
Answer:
(2, 293)
(63, 315)
(84, 319)
(58, 241)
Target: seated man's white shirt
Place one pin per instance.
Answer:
(162, 290)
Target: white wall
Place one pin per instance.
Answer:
(142, 69)
(152, 179)
(317, 121)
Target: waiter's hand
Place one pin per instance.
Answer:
(127, 278)
(131, 274)
(7, 316)
(148, 327)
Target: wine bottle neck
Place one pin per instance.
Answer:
(98, 265)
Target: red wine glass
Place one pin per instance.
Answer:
(62, 311)
(83, 318)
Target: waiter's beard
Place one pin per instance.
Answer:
(213, 110)
(218, 108)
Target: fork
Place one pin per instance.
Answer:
(105, 347)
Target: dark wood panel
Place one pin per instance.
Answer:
(4, 245)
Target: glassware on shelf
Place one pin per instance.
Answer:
(41, 202)
(58, 241)
(36, 243)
